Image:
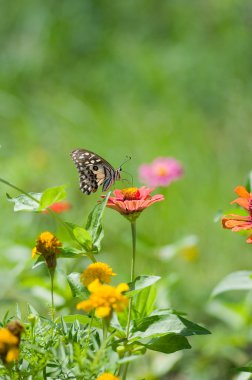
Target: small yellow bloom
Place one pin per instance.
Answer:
(105, 299)
(100, 271)
(8, 345)
(107, 376)
(190, 253)
(12, 355)
(47, 245)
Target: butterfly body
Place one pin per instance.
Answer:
(94, 171)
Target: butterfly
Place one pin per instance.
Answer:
(94, 171)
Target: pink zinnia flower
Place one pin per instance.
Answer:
(235, 222)
(161, 172)
(132, 201)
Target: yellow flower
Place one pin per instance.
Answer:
(100, 271)
(8, 345)
(190, 253)
(107, 376)
(105, 299)
(47, 245)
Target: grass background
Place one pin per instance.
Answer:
(138, 78)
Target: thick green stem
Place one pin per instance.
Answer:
(133, 233)
(132, 277)
(51, 271)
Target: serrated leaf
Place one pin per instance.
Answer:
(52, 195)
(241, 280)
(24, 202)
(78, 290)
(167, 344)
(140, 283)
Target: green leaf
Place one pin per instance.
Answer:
(40, 261)
(158, 325)
(128, 359)
(83, 237)
(167, 344)
(248, 184)
(70, 253)
(82, 319)
(247, 368)
(144, 302)
(25, 203)
(52, 195)
(140, 283)
(94, 225)
(241, 280)
(78, 290)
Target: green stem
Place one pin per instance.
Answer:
(18, 189)
(125, 371)
(91, 256)
(51, 271)
(89, 329)
(132, 272)
(104, 329)
(133, 233)
(132, 277)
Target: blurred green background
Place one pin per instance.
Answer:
(138, 78)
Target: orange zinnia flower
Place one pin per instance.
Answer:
(238, 222)
(132, 201)
(59, 207)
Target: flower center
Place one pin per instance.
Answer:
(130, 193)
(161, 171)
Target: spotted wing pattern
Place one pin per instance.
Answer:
(94, 171)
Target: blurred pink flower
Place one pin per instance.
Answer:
(161, 172)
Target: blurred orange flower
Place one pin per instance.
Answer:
(59, 207)
(236, 222)
(9, 341)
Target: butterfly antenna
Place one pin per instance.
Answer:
(125, 179)
(127, 158)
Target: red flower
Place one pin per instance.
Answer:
(59, 207)
(238, 222)
(132, 201)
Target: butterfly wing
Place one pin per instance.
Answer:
(93, 171)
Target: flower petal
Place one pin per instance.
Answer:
(243, 202)
(242, 192)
